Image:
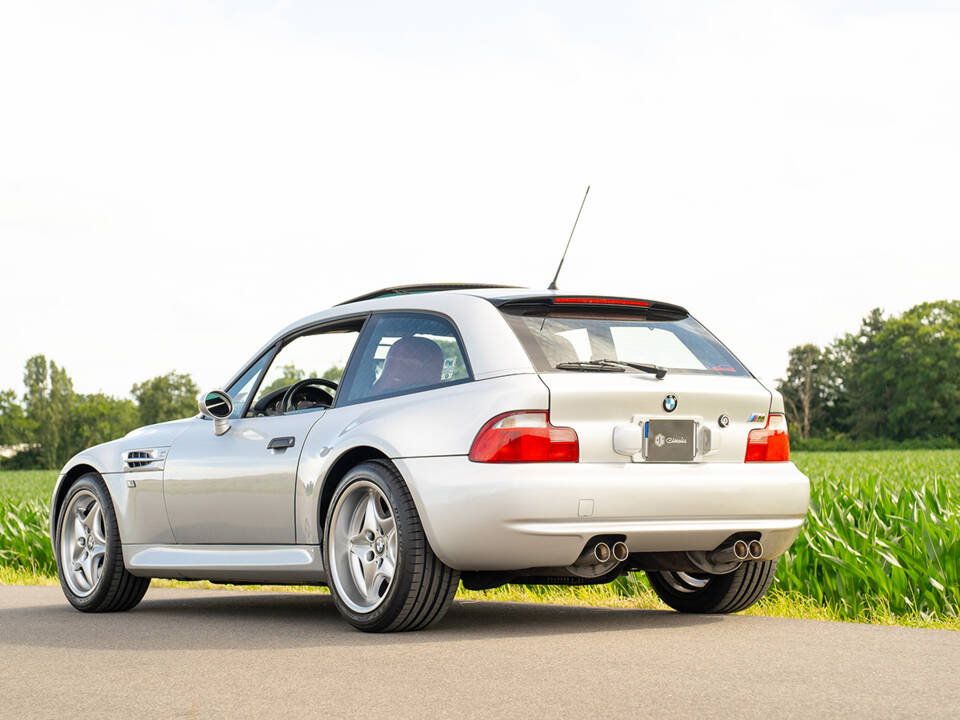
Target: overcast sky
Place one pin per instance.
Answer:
(178, 181)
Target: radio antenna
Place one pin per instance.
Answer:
(553, 284)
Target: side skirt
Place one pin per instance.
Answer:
(262, 564)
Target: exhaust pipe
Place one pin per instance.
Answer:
(736, 553)
(756, 550)
(594, 555)
(620, 551)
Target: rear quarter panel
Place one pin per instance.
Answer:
(440, 422)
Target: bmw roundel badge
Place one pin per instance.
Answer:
(670, 402)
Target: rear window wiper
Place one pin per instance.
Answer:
(604, 365)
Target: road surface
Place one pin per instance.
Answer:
(217, 653)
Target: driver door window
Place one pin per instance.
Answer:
(305, 374)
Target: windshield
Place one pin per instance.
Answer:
(681, 346)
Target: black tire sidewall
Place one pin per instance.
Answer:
(698, 601)
(715, 597)
(92, 483)
(402, 580)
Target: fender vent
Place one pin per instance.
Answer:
(145, 459)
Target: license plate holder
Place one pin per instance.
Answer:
(669, 440)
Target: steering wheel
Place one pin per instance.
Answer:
(287, 401)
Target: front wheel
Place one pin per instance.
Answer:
(383, 574)
(89, 554)
(704, 593)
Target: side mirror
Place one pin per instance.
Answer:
(218, 406)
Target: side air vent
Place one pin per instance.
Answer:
(144, 459)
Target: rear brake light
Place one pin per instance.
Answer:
(525, 436)
(770, 444)
(599, 301)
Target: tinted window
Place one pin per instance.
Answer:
(404, 353)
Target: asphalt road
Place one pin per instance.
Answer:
(200, 654)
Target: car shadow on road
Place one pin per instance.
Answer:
(179, 619)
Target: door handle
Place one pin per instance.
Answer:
(282, 443)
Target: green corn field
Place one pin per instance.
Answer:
(882, 535)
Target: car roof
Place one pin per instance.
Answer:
(491, 292)
(465, 300)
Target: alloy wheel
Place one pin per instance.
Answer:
(83, 543)
(362, 553)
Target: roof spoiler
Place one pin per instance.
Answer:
(594, 303)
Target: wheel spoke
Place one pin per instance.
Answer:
(79, 529)
(370, 515)
(391, 550)
(97, 551)
(387, 569)
(386, 522)
(88, 566)
(97, 525)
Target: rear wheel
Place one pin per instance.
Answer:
(383, 574)
(704, 593)
(89, 554)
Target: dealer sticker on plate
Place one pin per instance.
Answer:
(669, 440)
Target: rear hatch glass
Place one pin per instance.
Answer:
(679, 345)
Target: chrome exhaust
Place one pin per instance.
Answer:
(620, 551)
(756, 550)
(595, 554)
(735, 553)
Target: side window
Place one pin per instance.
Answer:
(245, 384)
(403, 353)
(319, 356)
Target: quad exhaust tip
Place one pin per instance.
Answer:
(756, 549)
(620, 551)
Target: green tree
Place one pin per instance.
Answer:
(810, 388)
(166, 397)
(289, 374)
(901, 375)
(100, 418)
(14, 426)
(334, 372)
(39, 410)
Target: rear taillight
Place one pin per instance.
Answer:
(525, 436)
(770, 444)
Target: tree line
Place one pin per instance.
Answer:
(895, 380)
(52, 422)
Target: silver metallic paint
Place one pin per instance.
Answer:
(292, 564)
(505, 517)
(475, 516)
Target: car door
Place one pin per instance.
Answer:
(240, 487)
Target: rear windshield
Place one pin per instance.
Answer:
(681, 346)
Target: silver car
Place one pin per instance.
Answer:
(413, 438)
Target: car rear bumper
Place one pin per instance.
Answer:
(511, 517)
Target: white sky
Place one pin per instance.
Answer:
(178, 181)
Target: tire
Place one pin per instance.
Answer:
(87, 505)
(702, 593)
(359, 550)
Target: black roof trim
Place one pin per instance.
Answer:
(539, 302)
(415, 289)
